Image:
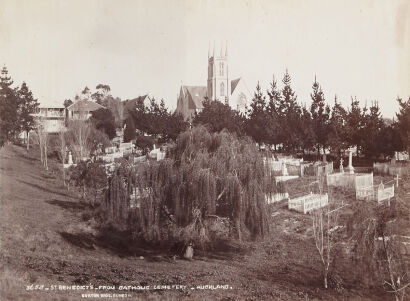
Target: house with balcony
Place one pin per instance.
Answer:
(52, 117)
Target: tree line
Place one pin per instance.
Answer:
(276, 118)
(17, 104)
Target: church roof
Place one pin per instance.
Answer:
(196, 96)
(234, 83)
(130, 104)
(85, 106)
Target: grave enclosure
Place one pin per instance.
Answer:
(307, 203)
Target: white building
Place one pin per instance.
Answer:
(52, 117)
(219, 87)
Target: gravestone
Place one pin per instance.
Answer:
(70, 158)
(350, 168)
(284, 169)
(341, 165)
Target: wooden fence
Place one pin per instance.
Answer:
(308, 202)
(392, 169)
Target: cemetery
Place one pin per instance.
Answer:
(309, 202)
(165, 180)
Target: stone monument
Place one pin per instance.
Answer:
(350, 168)
(341, 165)
(284, 169)
(70, 158)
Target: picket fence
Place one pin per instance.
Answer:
(308, 202)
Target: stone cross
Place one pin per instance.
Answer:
(341, 165)
(70, 158)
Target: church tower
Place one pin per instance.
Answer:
(218, 84)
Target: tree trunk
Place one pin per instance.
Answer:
(325, 279)
(238, 228)
(28, 140)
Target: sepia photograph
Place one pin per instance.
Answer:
(205, 150)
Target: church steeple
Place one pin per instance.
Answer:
(219, 84)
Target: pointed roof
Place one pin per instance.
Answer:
(131, 103)
(85, 106)
(234, 83)
(196, 95)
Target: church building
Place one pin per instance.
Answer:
(219, 87)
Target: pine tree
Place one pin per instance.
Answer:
(9, 109)
(372, 127)
(257, 122)
(403, 122)
(320, 115)
(275, 115)
(28, 106)
(292, 111)
(354, 124)
(337, 129)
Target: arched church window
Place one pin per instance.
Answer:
(222, 89)
(221, 69)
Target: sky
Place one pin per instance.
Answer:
(357, 48)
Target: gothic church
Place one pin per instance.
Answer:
(219, 87)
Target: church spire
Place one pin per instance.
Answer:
(221, 47)
(209, 48)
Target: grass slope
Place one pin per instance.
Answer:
(47, 238)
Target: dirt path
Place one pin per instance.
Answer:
(45, 239)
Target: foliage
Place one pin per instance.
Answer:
(375, 232)
(403, 122)
(129, 132)
(67, 103)
(9, 106)
(207, 175)
(218, 116)
(104, 121)
(90, 176)
(320, 113)
(145, 143)
(258, 119)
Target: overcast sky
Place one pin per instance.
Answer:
(355, 48)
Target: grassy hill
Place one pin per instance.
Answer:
(48, 237)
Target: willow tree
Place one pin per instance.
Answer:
(206, 175)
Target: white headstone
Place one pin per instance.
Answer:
(341, 165)
(70, 158)
(350, 168)
(284, 169)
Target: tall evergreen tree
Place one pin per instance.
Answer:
(372, 127)
(337, 129)
(354, 124)
(274, 114)
(257, 121)
(320, 115)
(28, 105)
(292, 111)
(403, 122)
(9, 106)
